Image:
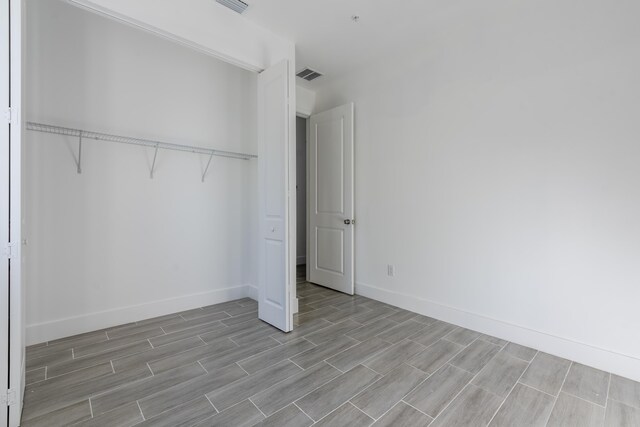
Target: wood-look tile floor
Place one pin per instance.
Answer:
(350, 361)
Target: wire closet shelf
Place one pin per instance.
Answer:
(80, 133)
(99, 136)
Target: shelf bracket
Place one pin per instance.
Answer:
(80, 153)
(207, 168)
(153, 165)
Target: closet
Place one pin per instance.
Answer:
(141, 184)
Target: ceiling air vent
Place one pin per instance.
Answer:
(308, 74)
(235, 5)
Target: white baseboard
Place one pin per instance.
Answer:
(301, 260)
(61, 328)
(607, 360)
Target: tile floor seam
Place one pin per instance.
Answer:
(306, 394)
(303, 337)
(294, 364)
(238, 364)
(470, 382)
(211, 403)
(325, 360)
(418, 385)
(255, 394)
(359, 410)
(263, 414)
(606, 400)
(326, 415)
(426, 347)
(510, 391)
(205, 369)
(401, 399)
(555, 402)
(334, 367)
(261, 352)
(452, 342)
(74, 370)
(372, 370)
(444, 337)
(536, 389)
(140, 409)
(409, 404)
(519, 358)
(296, 405)
(583, 399)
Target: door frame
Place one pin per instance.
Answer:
(5, 211)
(18, 324)
(11, 191)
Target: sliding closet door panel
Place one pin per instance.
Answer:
(273, 134)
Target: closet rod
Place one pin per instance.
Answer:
(84, 134)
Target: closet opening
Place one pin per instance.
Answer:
(134, 208)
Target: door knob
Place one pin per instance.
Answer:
(347, 221)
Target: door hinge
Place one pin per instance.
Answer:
(9, 250)
(9, 114)
(9, 398)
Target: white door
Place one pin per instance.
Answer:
(274, 302)
(4, 209)
(331, 216)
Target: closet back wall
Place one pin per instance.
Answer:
(111, 245)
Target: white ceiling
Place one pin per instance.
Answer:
(330, 42)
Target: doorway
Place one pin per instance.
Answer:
(301, 199)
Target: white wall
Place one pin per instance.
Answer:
(111, 245)
(204, 24)
(301, 190)
(497, 168)
(305, 101)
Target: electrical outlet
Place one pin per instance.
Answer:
(391, 270)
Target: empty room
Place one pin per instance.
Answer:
(336, 213)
